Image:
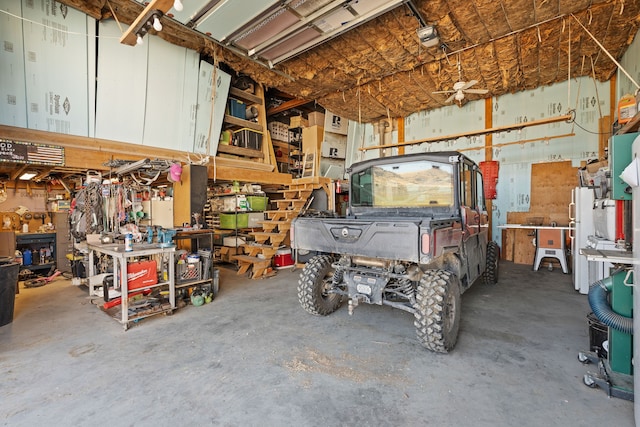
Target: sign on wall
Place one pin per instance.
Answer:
(30, 153)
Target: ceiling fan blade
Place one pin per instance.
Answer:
(444, 91)
(469, 84)
(478, 91)
(449, 99)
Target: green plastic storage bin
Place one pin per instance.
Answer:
(257, 203)
(233, 221)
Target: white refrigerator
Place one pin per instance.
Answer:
(582, 226)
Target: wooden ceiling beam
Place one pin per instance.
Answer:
(84, 153)
(129, 37)
(287, 105)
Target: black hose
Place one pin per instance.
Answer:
(602, 310)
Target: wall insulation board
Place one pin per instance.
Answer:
(13, 96)
(121, 86)
(189, 110)
(208, 125)
(355, 140)
(91, 72)
(167, 111)
(588, 98)
(447, 121)
(55, 45)
(631, 63)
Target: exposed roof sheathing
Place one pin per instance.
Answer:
(380, 69)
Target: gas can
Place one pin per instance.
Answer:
(26, 257)
(627, 108)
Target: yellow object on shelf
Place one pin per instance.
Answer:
(627, 108)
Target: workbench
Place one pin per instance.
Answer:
(541, 249)
(614, 257)
(120, 259)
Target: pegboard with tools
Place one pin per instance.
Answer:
(27, 222)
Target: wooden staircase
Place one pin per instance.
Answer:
(275, 229)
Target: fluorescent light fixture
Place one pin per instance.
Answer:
(131, 166)
(27, 176)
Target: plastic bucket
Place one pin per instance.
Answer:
(8, 286)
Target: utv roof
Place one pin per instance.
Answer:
(438, 156)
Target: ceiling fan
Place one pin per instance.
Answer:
(461, 87)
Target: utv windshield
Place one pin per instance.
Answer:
(415, 184)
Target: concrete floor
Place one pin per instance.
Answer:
(253, 357)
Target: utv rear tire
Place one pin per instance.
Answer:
(493, 258)
(315, 280)
(437, 315)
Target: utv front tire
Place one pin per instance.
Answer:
(437, 315)
(493, 258)
(314, 284)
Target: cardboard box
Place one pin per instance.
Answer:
(594, 167)
(335, 124)
(316, 118)
(255, 219)
(141, 274)
(312, 139)
(298, 122)
(233, 241)
(335, 148)
(233, 203)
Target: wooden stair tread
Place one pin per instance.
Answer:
(264, 233)
(260, 266)
(295, 190)
(268, 251)
(289, 200)
(250, 259)
(276, 215)
(240, 151)
(281, 211)
(258, 246)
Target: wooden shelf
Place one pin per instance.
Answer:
(231, 121)
(630, 126)
(240, 151)
(247, 97)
